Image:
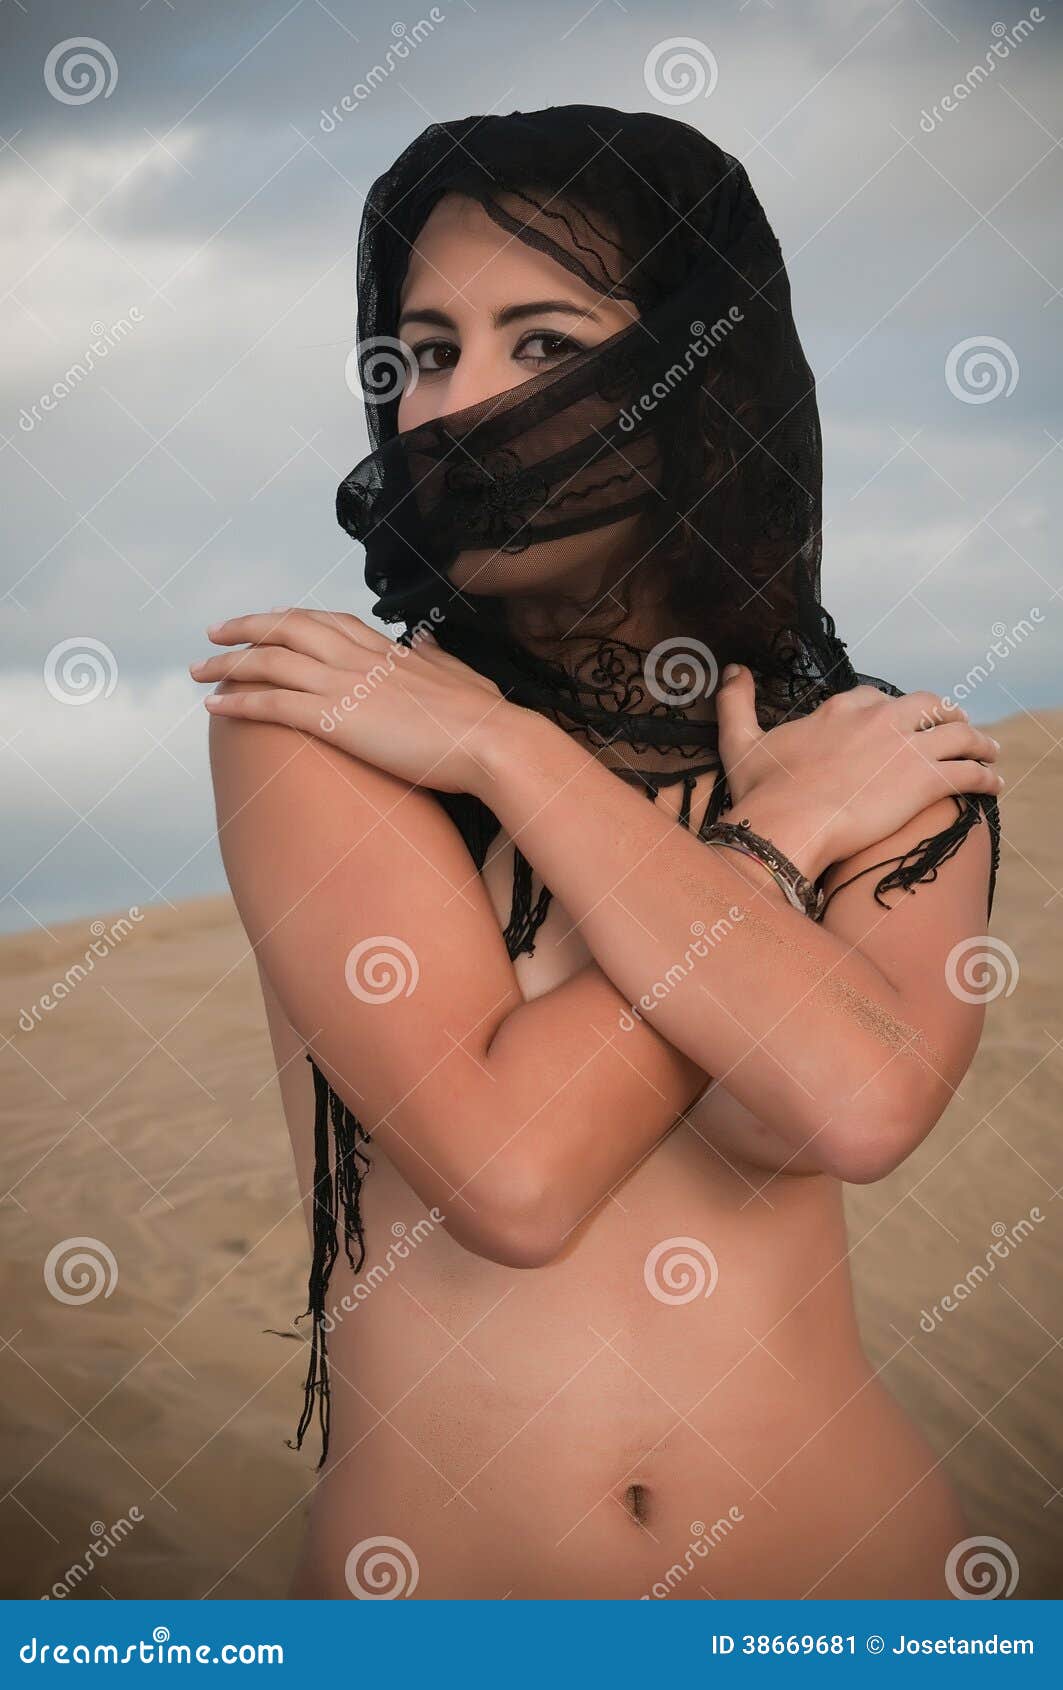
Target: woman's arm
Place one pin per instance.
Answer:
(516, 1119)
(842, 1035)
(858, 761)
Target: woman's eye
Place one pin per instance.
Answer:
(556, 346)
(441, 355)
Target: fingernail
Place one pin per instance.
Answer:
(213, 629)
(731, 671)
(995, 742)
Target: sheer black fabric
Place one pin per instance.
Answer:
(674, 472)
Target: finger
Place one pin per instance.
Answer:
(958, 739)
(273, 664)
(351, 627)
(274, 704)
(736, 717)
(923, 710)
(958, 776)
(299, 630)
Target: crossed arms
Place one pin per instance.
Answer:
(840, 1039)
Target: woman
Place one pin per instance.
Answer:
(585, 1087)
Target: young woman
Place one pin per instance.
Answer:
(586, 1085)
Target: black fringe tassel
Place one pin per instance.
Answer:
(338, 1183)
(923, 860)
(524, 920)
(337, 1191)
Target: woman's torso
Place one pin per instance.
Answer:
(677, 1406)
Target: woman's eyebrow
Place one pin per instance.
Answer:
(507, 314)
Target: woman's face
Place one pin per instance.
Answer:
(482, 311)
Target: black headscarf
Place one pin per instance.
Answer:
(698, 421)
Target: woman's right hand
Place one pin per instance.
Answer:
(856, 769)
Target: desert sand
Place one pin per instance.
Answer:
(141, 1112)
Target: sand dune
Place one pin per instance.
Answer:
(141, 1112)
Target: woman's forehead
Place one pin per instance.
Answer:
(462, 253)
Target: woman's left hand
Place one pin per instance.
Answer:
(420, 713)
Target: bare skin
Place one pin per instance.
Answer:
(526, 1397)
(561, 1432)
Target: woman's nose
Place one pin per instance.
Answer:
(480, 376)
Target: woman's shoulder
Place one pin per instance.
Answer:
(239, 745)
(336, 866)
(303, 803)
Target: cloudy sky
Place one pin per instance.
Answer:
(177, 193)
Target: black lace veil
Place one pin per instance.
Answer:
(681, 457)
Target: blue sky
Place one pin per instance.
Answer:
(198, 218)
